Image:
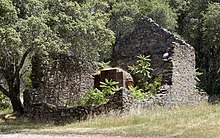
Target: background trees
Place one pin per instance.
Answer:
(82, 26)
(211, 47)
(198, 24)
(124, 15)
(43, 27)
(19, 39)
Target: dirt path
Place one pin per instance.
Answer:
(54, 136)
(20, 135)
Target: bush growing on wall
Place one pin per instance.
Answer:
(93, 97)
(144, 87)
(137, 93)
(109, 87)
(143, 69)
(96, 96)
(154, 85)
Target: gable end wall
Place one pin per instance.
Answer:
(148, 38)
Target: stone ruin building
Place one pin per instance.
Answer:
(171, 57)
(61, 83)
(58, 85)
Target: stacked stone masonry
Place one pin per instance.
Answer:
(59, 81)
(171, 57)
(121, 101)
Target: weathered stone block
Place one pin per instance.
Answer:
(115, 74)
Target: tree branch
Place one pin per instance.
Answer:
(18, 69)
(23, 59)
(4, 91)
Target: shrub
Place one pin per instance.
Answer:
(4, 102)
(145, 86)
(103, 65)
(142, 68)
(109, 87)
(154, 85)
(96, 96)
(137, 93)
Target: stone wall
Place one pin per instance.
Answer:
(171, 57)
(147, 39)
(119, 102)
(165, 99)
(59, 81)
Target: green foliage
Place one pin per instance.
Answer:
(103, 65)
(4, 102)
(125, 13)
(198, 73)
(93, 97)
(154, 85)
(8, 12)
(211, 25)
(109, 87)
(143, 69)
(137, 93)
(97, 97)
(152, 88)
(83, 27)
(160, 12)
(27, 83)
(145, 86)
(211, 40)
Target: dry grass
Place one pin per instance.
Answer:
(189, 121)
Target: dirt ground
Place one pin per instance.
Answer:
(54, 136)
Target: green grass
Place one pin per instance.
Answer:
(188, 121)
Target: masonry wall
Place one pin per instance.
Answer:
(183, 88)
(171, 57)
(147, 39)
(60, 81)
(121, 101)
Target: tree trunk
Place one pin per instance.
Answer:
(16, 104)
